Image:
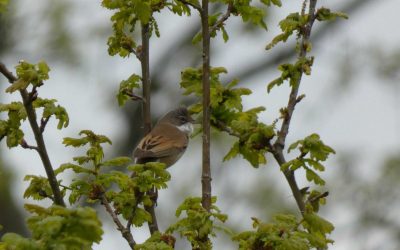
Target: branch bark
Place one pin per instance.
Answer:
(206, 166)
(41, 147)
(146, 84)
(124, 230)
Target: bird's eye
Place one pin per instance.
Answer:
(182, 119)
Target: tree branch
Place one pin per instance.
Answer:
(41, 147)
(125, 232)
(206, 166)
(146, 84)
(221, 21)
(278, 146)
(257, 67)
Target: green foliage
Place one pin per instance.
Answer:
(286, 232)
(180, 8)
(325, 14)
(126, 88)
(294, 22)
(3, 5)
(198, 225)
(10, 128)
(57, 227)
(50, 109)
(126, 193)
(227, 114)
(157, 241)
(128, 14)
(317, 151)
(28, 73)
(39, 188)
(292, 72)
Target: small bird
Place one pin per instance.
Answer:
(168, 140)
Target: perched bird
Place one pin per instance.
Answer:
(168, 140)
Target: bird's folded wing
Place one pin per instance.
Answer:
(158, 146)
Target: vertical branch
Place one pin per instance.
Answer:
(277, 149)
(41, 147)
(146, 84)
(145, 63)
(206, 168)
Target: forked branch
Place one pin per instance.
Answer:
(41, 147)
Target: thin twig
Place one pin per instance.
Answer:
(31, 113)
(278, 146)
(25, 145)
(223, 127)
(198, 8)
(315, 198)
(43, 123)
(124, 231)
(223, 18)
(206, 166)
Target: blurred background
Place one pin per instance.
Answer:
(352, 101)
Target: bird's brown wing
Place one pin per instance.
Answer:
(157, 145)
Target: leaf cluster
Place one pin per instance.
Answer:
(126, 87)
(292, 72)
(10, 128)
(29, 74)
(198, 224)
(286, 232)
(57, 227)
(297, 22)
(312, 153)
(129, 13)
(126, 193)
(227, 115)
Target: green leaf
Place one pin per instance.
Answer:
(118, 161)
(277, 82)
(234, 151)
(126, 89)
(68, 141)
(325, 14)
(313, 176)
(76, 168)
(38, 189)
(315, 223)
(19, 84)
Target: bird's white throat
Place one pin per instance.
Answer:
(186, 128)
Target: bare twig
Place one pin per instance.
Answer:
(25, 145)
(43, 123)
(278, 146)
(222, 19)
(41, 147)
(134, 97)
(206, 166)
(124, 231)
